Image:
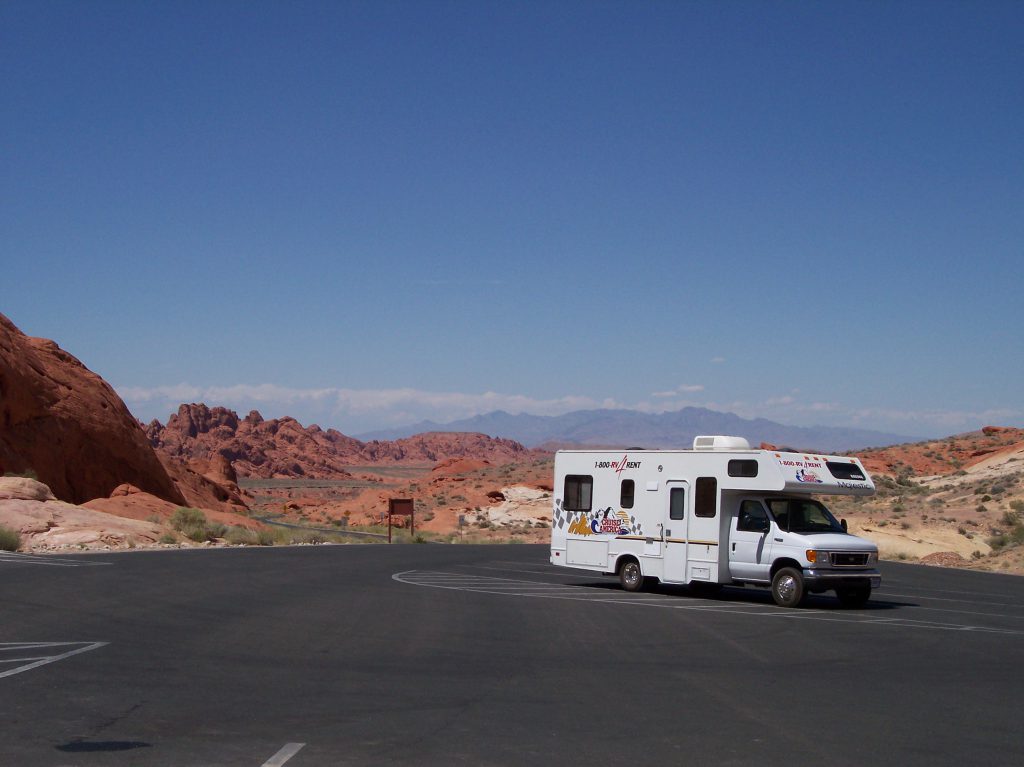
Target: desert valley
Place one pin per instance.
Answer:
(81, 473)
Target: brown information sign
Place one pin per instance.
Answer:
(402, 507)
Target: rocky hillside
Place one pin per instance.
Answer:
(954, 501)
(63, 424)
(943, 456)
(283, 447)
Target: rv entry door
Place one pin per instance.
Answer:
(676, 517)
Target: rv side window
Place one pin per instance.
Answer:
(705, 502)
(677, 503)
(626, 494)
(579, 489)
(743, 468)
(845, 470)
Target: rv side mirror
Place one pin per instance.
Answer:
(843, 523)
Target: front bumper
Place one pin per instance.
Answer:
(829, 579)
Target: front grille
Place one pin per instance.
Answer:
(844, 559)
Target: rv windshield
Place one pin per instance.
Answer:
(798, 515)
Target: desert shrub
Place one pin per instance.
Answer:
(10, 540)
(168, 538)
(185, 517)
(265, 538)
(241, 536)
(1011, 518)
(193, 525)
(311, 537)
(1017, 506)
(986, 498)
(27, 474)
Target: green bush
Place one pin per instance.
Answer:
(10, 540)
(193, 525)
(185, 517)
(168, 538)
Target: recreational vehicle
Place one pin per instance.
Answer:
(720, 513)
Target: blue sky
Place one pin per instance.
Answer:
(365, 214)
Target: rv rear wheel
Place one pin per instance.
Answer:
(788, 587)
(630, 576)
(853, 596)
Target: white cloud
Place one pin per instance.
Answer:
(681, 389)
(360, 410)
(351, 410)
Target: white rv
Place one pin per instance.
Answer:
(720, 513)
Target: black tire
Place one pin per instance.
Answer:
(630, 576)
(788, 587)
(853, 596)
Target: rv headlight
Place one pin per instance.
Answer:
(820, 558)
(873, 558)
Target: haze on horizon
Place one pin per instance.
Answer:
(369, 214)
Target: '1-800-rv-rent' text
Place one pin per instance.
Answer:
(720, 513)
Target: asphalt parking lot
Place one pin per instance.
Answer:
(487, 655)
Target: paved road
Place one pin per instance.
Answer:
(485, 655)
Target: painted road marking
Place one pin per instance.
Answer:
(287, 752)
(35, 654)
(31, 559)
(540, 590)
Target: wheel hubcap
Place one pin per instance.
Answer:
(787, 587)
(632, 573)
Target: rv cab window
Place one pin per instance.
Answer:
(798, 515)
(752, 518)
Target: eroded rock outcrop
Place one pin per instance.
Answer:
(65, 425)
(63, 422)
(283, 447)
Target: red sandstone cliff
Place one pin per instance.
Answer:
(63, 422)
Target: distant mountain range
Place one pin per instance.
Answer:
(630, 428)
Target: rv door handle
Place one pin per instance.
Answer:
(778, 540)
(734, 547)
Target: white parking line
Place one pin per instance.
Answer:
(41, 660)
(32, 559)
(287, 752)
(539, 590)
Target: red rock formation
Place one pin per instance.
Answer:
(943, 456)
(63, 422)
(284, 448)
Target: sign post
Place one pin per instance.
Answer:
(402, 507)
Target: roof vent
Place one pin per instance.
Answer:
(720, 443)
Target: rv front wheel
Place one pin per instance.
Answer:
(788, 587)
(630, 576)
